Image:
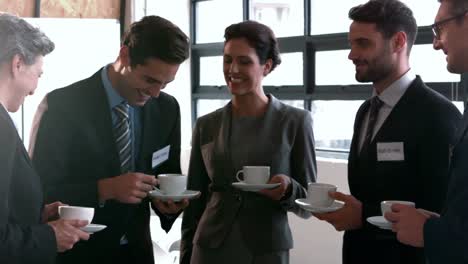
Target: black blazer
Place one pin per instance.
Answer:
(446, 238)
(74, 147)
(23, 238)
(425, 122)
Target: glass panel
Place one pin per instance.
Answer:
(338, 21)
(289, 72)
(206, 106)
(431, 64)
(425, 61)
(333, 123)
(284, 17)
(333, 67)
(211, 71)
(214, 16)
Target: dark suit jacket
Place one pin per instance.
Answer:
(446, 238)
(23, 238)
(425, 122)
(287, 146)
(74, 147)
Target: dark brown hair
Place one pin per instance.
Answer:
(260, 37)
(156, 37)
(390, 17)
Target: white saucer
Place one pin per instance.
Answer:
(93, 228)
(254, 187)
(304, 204)
(187, 194)
(380, 221)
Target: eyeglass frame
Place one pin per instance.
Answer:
(436, 26)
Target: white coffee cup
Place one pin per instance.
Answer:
(386, 206)
(317, 194)
(254, 174)
(76, 213)
(172, 184)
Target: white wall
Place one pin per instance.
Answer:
(316, 241)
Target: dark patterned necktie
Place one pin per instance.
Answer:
(375, 105)
(122, 136)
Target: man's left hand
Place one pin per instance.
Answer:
(50, 212)
(169, 206)
(279, 192)
(408, 223)
(347, 218)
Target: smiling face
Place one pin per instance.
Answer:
(370, 53)
(243, 72)
(453, 39)
(141, 82)
(25, 81)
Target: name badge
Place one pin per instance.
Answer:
(160, 156)
(391, 151)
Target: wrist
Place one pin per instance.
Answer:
(104, 190)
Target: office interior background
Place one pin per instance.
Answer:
(315, 75)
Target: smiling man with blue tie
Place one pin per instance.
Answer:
(95, 142)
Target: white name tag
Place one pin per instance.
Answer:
(391, 151)
(160, 156)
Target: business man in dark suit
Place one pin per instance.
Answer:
(29, 232)
(400, 146)
(444, 238)
(95, 143)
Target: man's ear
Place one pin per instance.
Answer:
(17, 64)
(399, 41)
(124, 56)
(267, 67)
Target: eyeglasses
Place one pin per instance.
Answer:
(436, 27)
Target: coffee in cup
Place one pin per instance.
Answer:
(172, 184)
(318, 194)
(76, 213)
(254, 174)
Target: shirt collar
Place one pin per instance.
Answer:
(113, 96)
(392, 94)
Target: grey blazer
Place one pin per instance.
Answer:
(288, 138)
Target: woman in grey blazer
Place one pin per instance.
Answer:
(229, 225)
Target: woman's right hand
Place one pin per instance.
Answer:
(67, 233)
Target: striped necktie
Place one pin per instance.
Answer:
(375, 105)
(122, 136)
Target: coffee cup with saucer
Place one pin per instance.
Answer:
(173, 187)
(254, 178)
(318, 199)
(80, 213)
(386, 206)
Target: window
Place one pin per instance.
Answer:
(284, 17)
(315, 73)
(212, 17)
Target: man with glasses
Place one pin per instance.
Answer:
(400, 144)
(444, 237)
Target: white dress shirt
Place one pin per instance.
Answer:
(390, 97)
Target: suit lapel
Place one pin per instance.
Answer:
(101, 120)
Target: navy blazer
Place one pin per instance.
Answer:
(74, 147)
(425, 122)
(23, 238)
(446, 238)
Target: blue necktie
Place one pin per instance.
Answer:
(122, 136)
